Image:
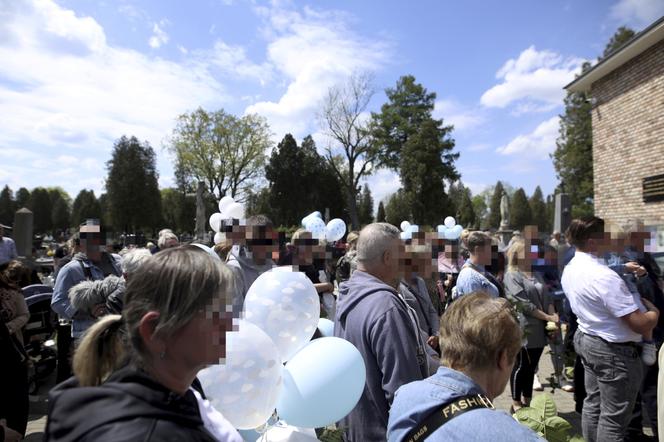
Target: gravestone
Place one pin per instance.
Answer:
(201, 220)
(504, 233)
(563, 213)
(23, 229)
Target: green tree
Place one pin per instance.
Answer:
(22, 198)
(520, 215)
(618, 40)
(397, 208)
(455, 194)
(326, 191)
(466, 213)
(40, 204)
(352, 155)
(7, 206)
(538, 210)
(419, 146)
(365, 206)
(178, 209)
(60, 202)
(494, 206)
(225, 152)
(573, 157)
(86, 206)
(300, 181)
(380, 214)
(132, 186)
(481, 212)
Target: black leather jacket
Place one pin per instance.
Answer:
(129, 406)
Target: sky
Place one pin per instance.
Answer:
(76, 75)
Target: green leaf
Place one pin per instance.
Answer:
(556, 429)
(576, 438)
(546, 404)
(531, 418)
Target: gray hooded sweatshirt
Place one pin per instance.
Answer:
(246, 272)
(372, 316)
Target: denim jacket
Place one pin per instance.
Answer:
(415, 401)
(68, 276)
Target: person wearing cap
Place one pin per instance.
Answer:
(7, 247)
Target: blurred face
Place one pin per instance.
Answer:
(262, 242)
(304, 249)
(92, 245)
(203, 340)
(418, 260)
(393, 260)
(483, 254)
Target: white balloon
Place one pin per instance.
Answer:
(414, 228)
(235, 210)
(225, 202)
(245, 388)
(449, 222)
(285, 305)
(219, 237)
(215, 221)
(318, 214)
(335, 230)
(316, 226)
(405, 226)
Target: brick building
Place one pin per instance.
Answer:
(627, 93)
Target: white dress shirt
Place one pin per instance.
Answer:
(599, 298)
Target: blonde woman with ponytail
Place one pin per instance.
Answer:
(135, 374)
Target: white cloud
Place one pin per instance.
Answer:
(452, 112)
(234, 60)
(65, 91)
(534, 80)
(312, 51)
(637, 13)
(159, 36)
(535, 145)
(383, 184)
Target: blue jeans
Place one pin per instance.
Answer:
(613, 374)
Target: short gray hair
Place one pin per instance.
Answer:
(163, 239)
(375, 239)
(133, 259)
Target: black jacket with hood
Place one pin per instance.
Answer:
(129, 406)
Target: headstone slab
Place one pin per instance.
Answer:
(23, 230)
(563, 213)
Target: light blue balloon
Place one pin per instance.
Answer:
(326, 327)
(414, 228)
(322, 383)
(456, 231)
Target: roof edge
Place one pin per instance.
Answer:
(637, 45)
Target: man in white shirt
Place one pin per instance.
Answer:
(611, 326)
(7, 247)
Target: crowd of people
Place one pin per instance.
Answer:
(442, 325)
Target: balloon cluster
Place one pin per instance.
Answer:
(449, 229)
(228, 209)
(271, 361)
(333, 231)
(407, 230)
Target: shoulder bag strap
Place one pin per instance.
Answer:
(445, 413)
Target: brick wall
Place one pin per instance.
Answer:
(628, 137)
